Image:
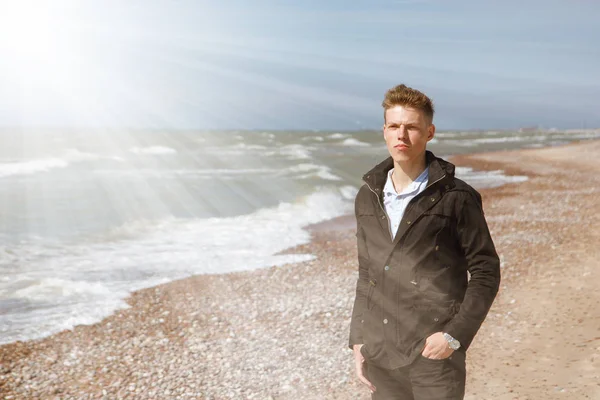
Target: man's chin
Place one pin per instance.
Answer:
(400, 157)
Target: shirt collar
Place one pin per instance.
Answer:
(389, 190)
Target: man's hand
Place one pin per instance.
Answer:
(359, 361)
(436, 347)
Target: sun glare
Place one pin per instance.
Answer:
(25, 31)
(34, 38)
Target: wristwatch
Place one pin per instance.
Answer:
(453, 343)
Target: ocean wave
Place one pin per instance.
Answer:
(154, 150)
(85, 282)
(487, 179)
(314, 138)
(31, 167)
(245, 146)
(68, 157)
(294, 151)
(354, 142)
(49, 289)
(313, 170)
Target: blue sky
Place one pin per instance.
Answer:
(297, 64)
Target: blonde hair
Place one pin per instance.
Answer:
(405, 96)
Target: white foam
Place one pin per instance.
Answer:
(245, 146)
(354, 142)
(32, 166)
(304, 167)
(89, 281)
(311, 170)
(228, 171)
(348, 192)
(449, 134)
(155, 150)
(582, 135)
(327, 175)
(296, 151)
(48, 289)
(502, 139)
(75, 155)
(487, 179)
(337, 135)
(69, 156)
(464, 143)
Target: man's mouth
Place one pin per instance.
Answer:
(401, 146)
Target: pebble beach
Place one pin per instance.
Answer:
(282, 332)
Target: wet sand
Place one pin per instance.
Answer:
(282, 332)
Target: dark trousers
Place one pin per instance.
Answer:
(424, 379)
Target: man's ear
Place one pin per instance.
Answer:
(430, 132)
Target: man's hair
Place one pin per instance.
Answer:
(405, 96)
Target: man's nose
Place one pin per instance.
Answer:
(402, 132)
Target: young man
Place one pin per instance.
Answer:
(419, 231)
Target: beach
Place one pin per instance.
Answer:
(282, 332)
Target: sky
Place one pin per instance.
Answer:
(267, 64)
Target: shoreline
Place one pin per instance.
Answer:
(222, 329)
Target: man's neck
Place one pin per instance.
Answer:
(405, 173)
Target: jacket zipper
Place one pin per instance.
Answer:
(378, 199)
(382, 209)
(413, 281)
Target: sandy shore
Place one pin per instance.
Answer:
(281, 332)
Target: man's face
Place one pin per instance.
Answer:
(406, 133)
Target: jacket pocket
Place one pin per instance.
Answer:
(372, 283)
(436, 284)
(431, 317)
(436, 317)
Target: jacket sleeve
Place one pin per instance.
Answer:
(362, 286)
(484, 266)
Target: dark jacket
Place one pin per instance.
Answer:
(417, 284)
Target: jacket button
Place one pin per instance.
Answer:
(447, 186)
(362, 320)
(383, 217)
(436, 319)
(387, 268)
(437, 248)
(385, 321)
(407, 222)
(432, 199)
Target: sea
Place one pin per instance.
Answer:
(88, 216)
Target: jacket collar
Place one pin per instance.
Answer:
(438, 169)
